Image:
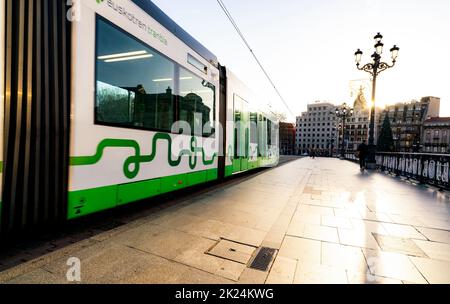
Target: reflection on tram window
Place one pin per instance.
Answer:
(269, 132)
(115, 103)
(197, 103)
(238, 104)
(134, 84)
(253, 128)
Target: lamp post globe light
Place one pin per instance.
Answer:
(343, 112)
(374, 68)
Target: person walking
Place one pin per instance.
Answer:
(362, 154)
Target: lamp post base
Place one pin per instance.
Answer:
(371, 166)
(371, 163)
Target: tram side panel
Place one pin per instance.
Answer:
(238, 97)
(2, 91)
(271, 140)
(36, 80)
(129, 89)
(251, 129)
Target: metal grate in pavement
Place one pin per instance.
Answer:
(263, 259)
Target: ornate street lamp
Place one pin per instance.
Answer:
(343, 112)
(375, 68)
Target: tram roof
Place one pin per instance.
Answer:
(156, 13)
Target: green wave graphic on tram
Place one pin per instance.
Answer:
(137, 158)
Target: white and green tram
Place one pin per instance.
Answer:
(108, 102)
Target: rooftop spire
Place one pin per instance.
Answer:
(360, 101)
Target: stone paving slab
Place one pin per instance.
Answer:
(233, 251)
(435, 271)
(328, 222)
(392, 265)
(435, 235)
(399, 245)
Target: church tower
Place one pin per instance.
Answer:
(360, 101)
(358, 125)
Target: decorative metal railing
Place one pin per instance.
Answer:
(426, 168)
(351, 156)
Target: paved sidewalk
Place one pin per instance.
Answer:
(328, 222)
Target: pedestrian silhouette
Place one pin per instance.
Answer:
(362, 154)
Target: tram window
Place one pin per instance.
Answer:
(253, 128)
(238, 104)
(134, 84)
(269, 132)
(197, 103)
(263, 138)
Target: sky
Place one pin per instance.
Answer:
(308, 46)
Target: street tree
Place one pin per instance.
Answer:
(386, 140)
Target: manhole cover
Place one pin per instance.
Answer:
(233, 251)
(399, 245)
(263, 259)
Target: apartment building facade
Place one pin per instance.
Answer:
(407, 121)
(436, 135)
(316, 129)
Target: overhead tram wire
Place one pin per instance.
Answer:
(228, 14)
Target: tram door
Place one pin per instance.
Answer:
(241, 135)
